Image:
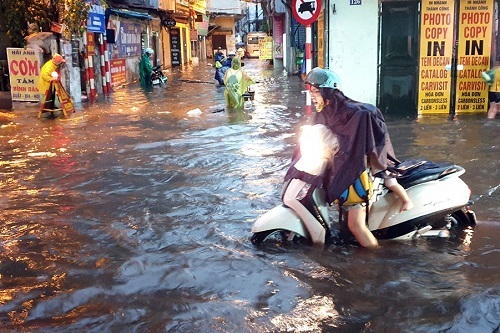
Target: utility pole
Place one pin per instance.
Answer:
(248, 19)
(256, 17)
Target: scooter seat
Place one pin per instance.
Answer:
(427, 172)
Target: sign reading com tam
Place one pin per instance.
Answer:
(474, 47)
(436, 47)
(24, 69)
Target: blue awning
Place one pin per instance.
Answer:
(127, 14)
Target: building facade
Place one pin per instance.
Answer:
(408, 57)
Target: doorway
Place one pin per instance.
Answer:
(398, 78)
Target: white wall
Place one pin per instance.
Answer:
(226, 6)
(353, 48)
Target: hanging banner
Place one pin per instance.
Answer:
(436, 48)
(24, 70)
(278, 28)
(474, 49)
(175, 47)
(202, 26)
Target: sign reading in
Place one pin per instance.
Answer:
(436, 47)
(474, 48)
(306, 11)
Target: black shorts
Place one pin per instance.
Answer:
(494, 97)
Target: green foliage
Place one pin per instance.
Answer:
(18, 13)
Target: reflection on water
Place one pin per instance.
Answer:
(134, 215)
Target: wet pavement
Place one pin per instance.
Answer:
(134, 215)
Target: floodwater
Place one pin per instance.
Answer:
(134, 215)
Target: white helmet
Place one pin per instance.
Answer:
(149, 50)
(323, 78)
(232, 53)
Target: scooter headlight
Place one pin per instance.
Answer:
(313, 151)
(311, 143)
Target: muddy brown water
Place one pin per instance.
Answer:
(134, 215)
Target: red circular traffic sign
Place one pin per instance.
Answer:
(306, 11)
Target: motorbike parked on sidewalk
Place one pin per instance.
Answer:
(440, 198)
(157, 76)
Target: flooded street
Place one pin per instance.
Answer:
(134, 215)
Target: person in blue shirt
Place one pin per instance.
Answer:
(228, 61)
(219, 55)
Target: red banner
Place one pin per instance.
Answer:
(118, 72)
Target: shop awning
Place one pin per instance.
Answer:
(128, 14)
(218, 30)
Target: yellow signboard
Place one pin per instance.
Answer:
(266, 48)
(49, 100)
(474, 47)
(24, 66)
(436, 48)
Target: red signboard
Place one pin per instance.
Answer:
(118, 72)
(90, 44)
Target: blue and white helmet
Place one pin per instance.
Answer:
(323, 78)
(148, 50)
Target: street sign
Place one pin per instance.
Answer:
(306, 11)
(169, 23)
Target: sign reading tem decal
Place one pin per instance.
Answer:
(474, 47)
(436, 48)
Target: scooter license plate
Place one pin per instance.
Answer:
(157, 81)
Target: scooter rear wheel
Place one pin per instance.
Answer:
(460, 221)
(274, 235)
(462, 218)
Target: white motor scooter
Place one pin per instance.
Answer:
(439, 196)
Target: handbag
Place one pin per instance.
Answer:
(360, 191)
(488, 76)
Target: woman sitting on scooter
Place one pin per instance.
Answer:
(364, 144)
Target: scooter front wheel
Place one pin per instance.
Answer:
(274, 235)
